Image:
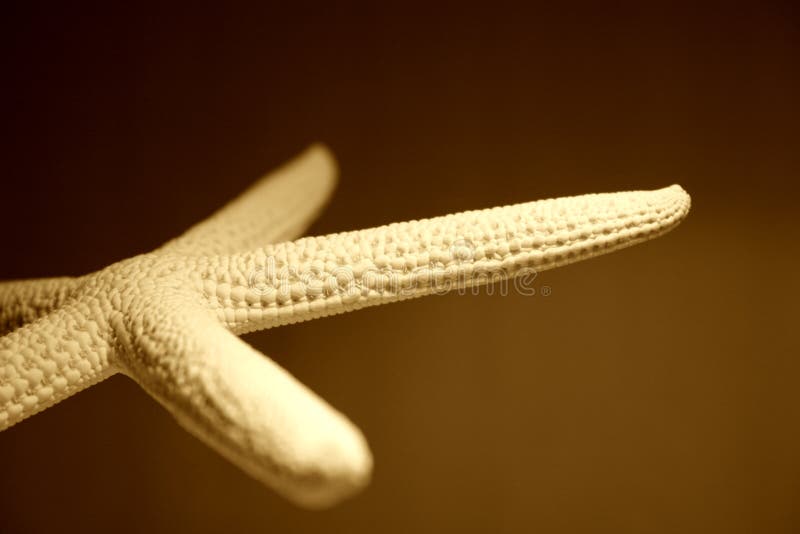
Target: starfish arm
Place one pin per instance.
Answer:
(319, 276)
(246, 407)
(24, 301)
(278, 207)
(50, 359)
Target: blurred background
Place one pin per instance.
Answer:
(653, 390)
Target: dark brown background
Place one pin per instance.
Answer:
(655, 390)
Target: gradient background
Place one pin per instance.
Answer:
(655, 390)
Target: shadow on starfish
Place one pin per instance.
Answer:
(169, 318)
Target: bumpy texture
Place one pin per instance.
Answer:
(168, 319)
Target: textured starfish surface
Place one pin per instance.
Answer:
(169, 318)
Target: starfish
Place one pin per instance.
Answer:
(169, 319)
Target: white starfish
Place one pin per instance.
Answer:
(169, 318)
